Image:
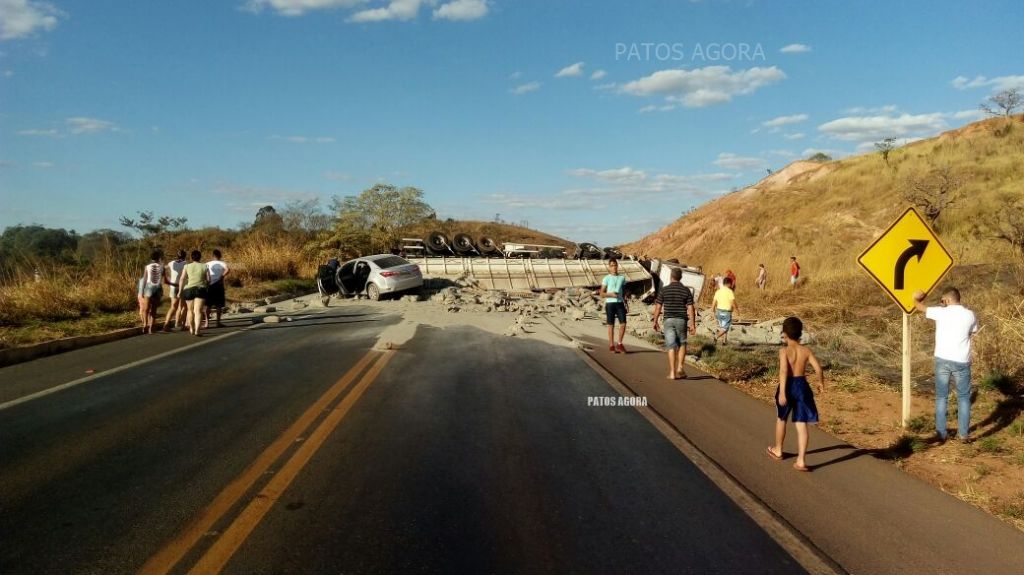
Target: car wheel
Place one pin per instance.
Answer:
(373, 292)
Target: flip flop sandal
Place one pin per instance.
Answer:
(773, 455)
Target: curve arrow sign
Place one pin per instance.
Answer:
(916, 248)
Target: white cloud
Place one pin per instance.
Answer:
(997, 84)
(784, 120)
(796, 136)
(515, 75)
(570, 71)
(43, 165)
(558, 202)
(247, 200)
(598, 74)
(703, 86)
(50, 133)
(795, 49)
(732, 161)
(970, 115)
(22, 18)
(861, 110)
(298, 7)
(305, 139)
(782, 153)
(525, 88)
(633, 183)
(395, 10)
(461, 10)
(8, 73)
(875, 128)
(83, 125)
(655, 108)
(624, 174)
(608, 86)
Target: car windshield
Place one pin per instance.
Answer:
(391, 262)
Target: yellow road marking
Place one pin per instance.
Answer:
(171, 554)
(224, 548)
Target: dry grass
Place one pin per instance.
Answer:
(826, 221)
(261, 258)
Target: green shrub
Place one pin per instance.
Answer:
(991, 444)
(917, 424)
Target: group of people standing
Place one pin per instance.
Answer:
(196, 289)
(794, 398)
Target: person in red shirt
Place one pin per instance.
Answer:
(794, 271)
(732, 277)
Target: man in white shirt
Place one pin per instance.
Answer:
(954, 327)
(215, 292)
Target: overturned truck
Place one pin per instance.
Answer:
(533, 267)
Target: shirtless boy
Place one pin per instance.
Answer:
(794, 397)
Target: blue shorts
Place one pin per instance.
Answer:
(615, 309)
(674, 330)
(800, 406)
(724, 319)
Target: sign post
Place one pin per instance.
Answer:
(906, 257)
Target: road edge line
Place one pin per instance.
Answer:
(118, 369)
(789, 538)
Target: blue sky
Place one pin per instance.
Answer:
(597, 121)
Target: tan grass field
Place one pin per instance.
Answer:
(826, 214)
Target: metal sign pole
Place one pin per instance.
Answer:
(906, 369)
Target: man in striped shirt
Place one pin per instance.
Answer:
(676, 300)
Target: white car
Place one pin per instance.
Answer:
(378, 275)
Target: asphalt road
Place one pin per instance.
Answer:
(295, 448)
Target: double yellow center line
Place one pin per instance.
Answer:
(220, 552)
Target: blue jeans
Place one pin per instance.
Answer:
(961, 372)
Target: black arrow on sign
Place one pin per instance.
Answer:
(916, 248)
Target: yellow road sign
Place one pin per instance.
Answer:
(907, 257)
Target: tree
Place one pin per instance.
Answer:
(1003, 103)
(38, 242)
(885, 147)
(268, 221)
(304, 216)
(935, 192)
(150, 226)
(99, 244)
(820, 157)
(373, 221)
(1006, 222)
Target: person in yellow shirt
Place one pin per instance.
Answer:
(725, 306)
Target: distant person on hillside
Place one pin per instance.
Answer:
(194, 281)
(718, 279)
(215, 294)
(955, 325)
(762, 276)
(725, 305)
(794, 271)
(677, 302)
(152, 290)
(794, 398)
(175, 315)
(612, 286)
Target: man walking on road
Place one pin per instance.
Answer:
(614, 304)
(677, 302)
(954, 327)
(724, 304)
